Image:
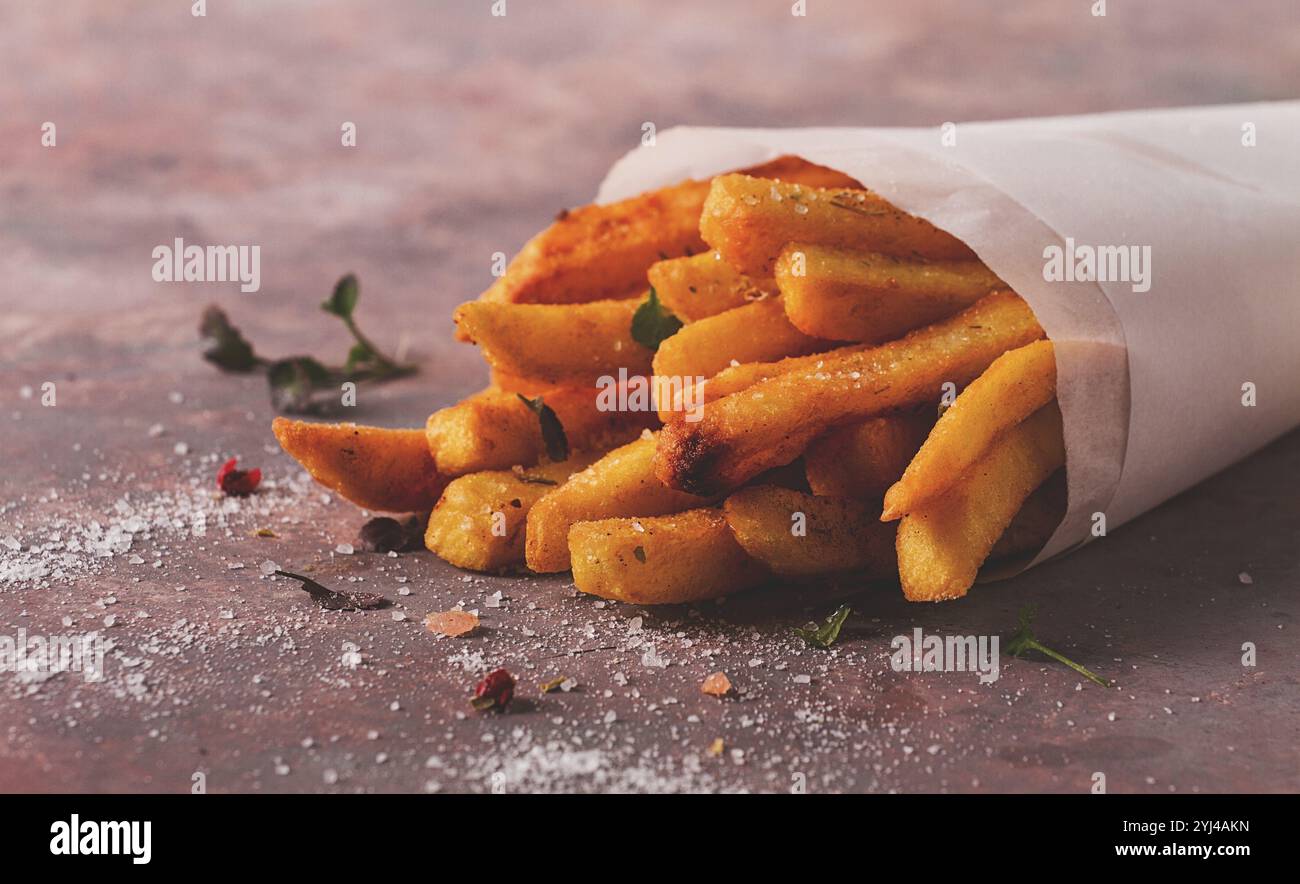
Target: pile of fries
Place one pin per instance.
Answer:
(774, 373)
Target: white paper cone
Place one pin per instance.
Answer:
(1150, 382)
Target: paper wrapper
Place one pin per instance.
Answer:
(1150, 383)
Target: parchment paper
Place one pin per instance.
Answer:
(1150, 383)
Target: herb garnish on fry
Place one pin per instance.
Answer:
(653, 323)
(557, 445)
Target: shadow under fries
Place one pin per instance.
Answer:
(1103, 600)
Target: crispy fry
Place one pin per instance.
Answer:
(598, 252)
(750, 220)
(1014, 386)
(374, 467)
(513, 383)
(493, 430)
(622, 483)
(479, 520)
(942, 544)
(558, 343)
(796, 534)
(735, 378)
(853, 295)
(861, 460)
(772, 422)
(676, 559)
(757, 332)
(704, 285)
(1036, 521)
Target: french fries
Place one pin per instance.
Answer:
(772, 422)
(494, 430)
(374, 467)
(851, 295)
(756, 332)
(1014, 386)
(662, 560)
(942, 544)
(817, 328)
(479, 520)
(794, 534)
(622, 483)
(704, 285)
(598, 252)
(560, 344)
(750, 220)
(862, 460)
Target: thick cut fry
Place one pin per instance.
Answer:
(687, 557)
(861, 460)
(494, 430)
(622, 483)
(772, 422)
(851, 295)
(375, 468)
(1034, 525)
(735, 378)
(598, 252)
(479, 520)
(795, 534)
(750, 220)
(513, 383)
(1017, 384)
(942, 544)
(704, 285)
(757, 332)
(558, 343)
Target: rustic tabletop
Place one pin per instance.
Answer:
(472, 130)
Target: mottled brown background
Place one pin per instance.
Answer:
(473, 131)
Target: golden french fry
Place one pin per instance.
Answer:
(513, 383)
(1014, 386)
(479, 521)
(558, 343)
(861, 460)
(772, 422)
(757, 332)
(1036, 521)
(598, 252)
(494, 430)
(750, 220)
(662, 560)
(942, 544)
(796, 534)
(735, 378)
(374, 467)
(704, 285)
(852, 295)
(622, 483)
